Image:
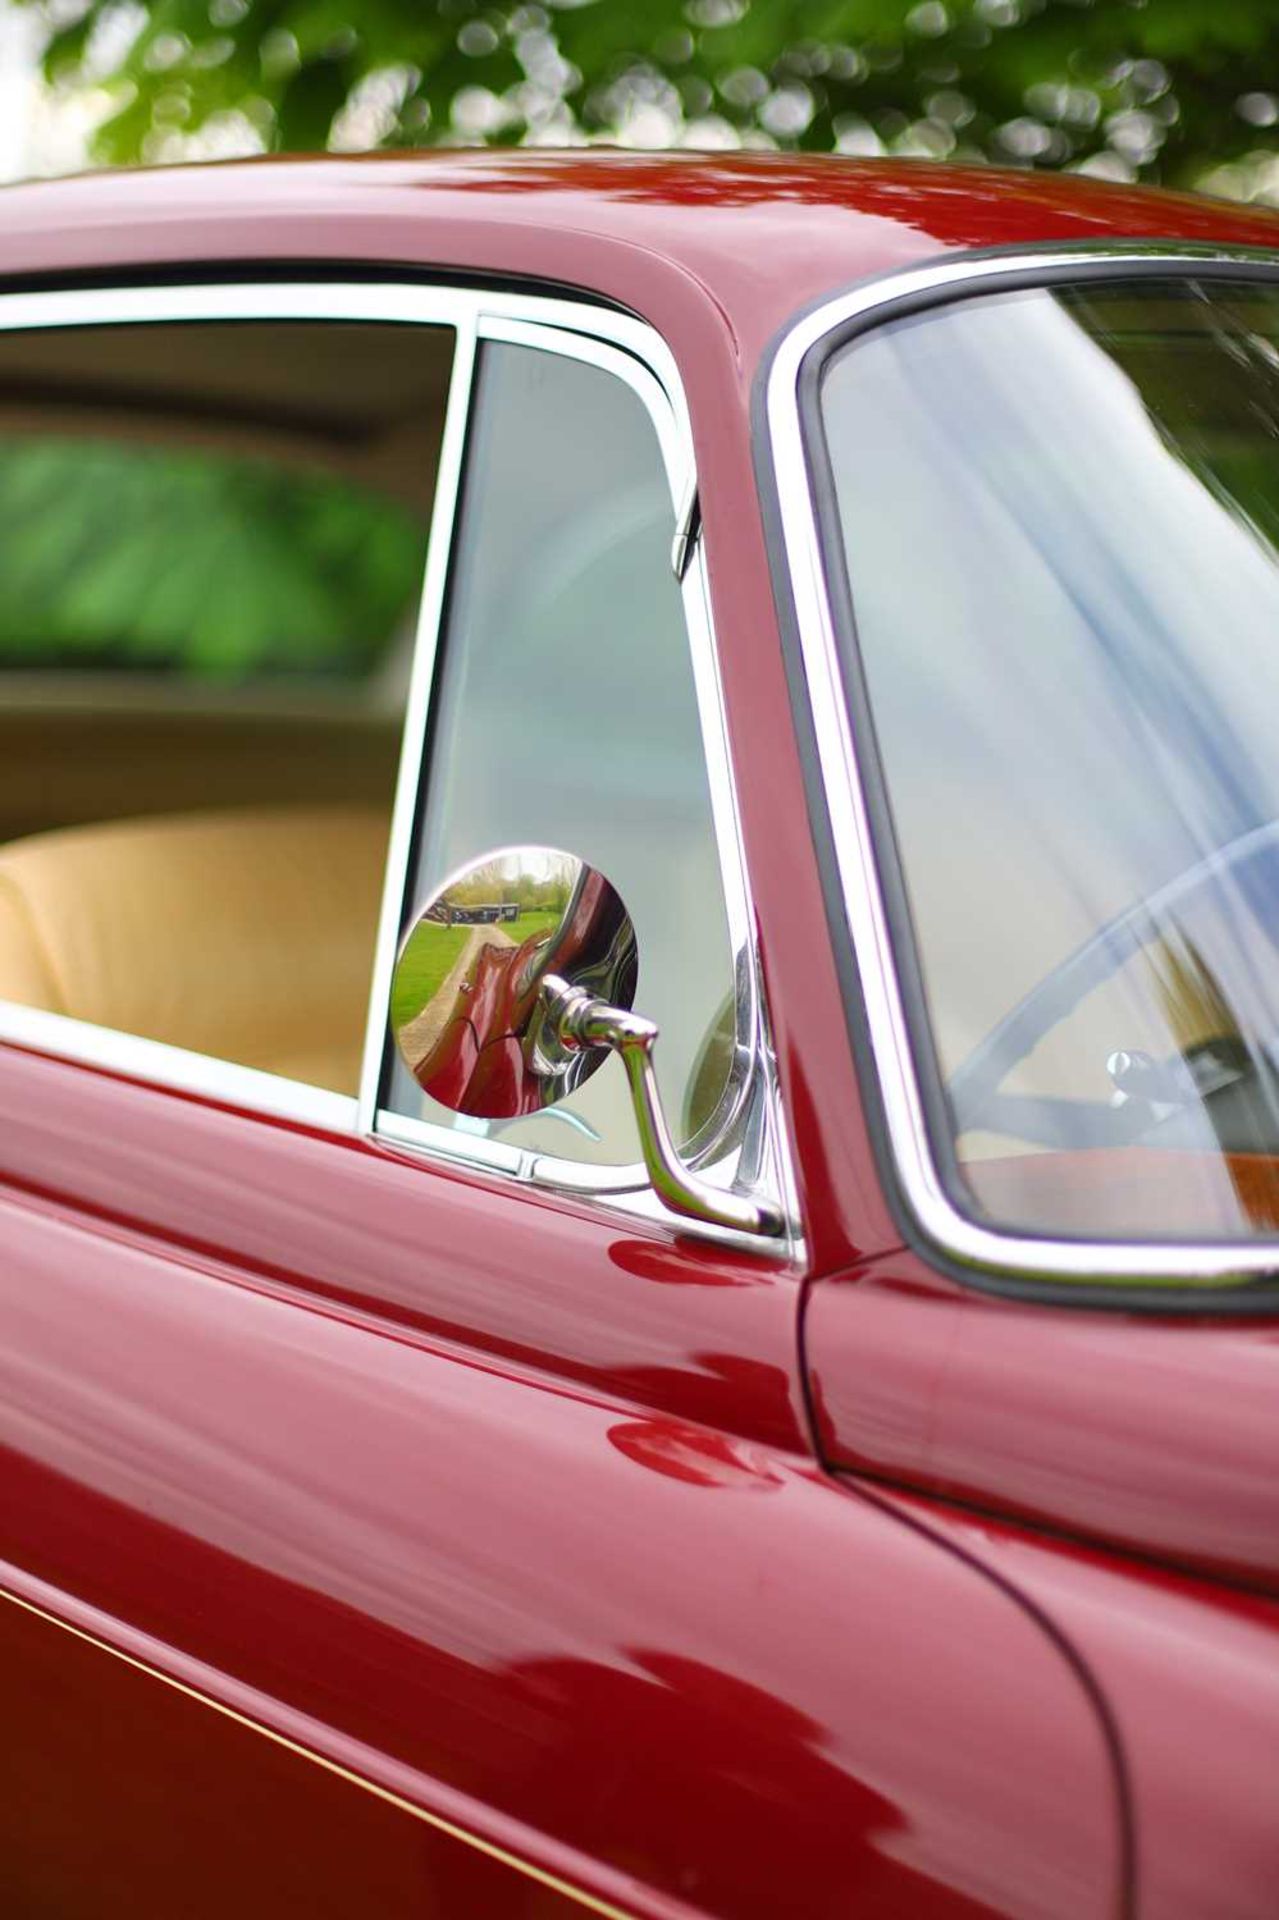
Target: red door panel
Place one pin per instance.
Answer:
(218, 1820)
(629, 1647)
(680, 1323)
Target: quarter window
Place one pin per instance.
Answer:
(566, 714)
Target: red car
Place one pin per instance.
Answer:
(823, 1462)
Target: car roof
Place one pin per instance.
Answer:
(756, 236)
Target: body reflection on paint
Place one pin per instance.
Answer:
(696, 1455)
(693, 1713)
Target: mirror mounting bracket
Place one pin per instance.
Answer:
(581, 1022)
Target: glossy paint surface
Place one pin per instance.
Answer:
(1191, 1682)
(233, 1822)
(640, 1312)
(1156, 1433)
(687, 1664)
(760, 236)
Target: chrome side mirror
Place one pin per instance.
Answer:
(515, 983)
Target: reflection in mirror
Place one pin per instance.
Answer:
(467, 1012)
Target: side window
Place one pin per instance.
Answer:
(565, 715)
(212, 539)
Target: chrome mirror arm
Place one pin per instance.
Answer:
(579, 1022)
(514, 985)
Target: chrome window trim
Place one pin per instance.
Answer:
(982, 1249)
(439, 555)
(631, 349)
(399, 1134)
(134, 1057)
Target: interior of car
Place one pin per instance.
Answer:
(211, 544)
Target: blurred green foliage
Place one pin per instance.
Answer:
(1168, 90)
(121, 556)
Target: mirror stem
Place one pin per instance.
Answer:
(582, 1021)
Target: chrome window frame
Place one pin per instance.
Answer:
(1155, 1273)
(602, 336)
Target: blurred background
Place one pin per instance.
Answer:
(1179, 92)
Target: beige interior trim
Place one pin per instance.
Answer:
(246, 935)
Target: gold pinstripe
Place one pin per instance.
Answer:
(591, 1902)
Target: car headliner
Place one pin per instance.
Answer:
(756, 237)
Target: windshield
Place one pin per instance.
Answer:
(1059, 513)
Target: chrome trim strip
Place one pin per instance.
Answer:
(155, 1061)
(439, 555)
(953, 1233)
(398, 1133)
(454, 1144)
(407, 302)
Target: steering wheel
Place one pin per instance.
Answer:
(1230, 1079)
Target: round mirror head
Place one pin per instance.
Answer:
(467, 1011)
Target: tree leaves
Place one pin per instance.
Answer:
(311, 99)
(1131, 88)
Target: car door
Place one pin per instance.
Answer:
(405, 1515)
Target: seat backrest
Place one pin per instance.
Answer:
(246, 935)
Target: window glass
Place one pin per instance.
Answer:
(566, 716)
(212, 539)
(1060, 520)
(214, 504)
(214, 567)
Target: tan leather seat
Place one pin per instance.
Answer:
(245, 935)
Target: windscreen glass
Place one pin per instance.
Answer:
(1059, 520)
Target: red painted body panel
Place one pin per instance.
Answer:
(233, 1823)
(691, 1663)
(510, 1509)
(1158, 1434)
(1191, 1681)
(753, 236)
(644, 1314)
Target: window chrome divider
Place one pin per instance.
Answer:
(688, 527)
(439, 554)
(954, 1234)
